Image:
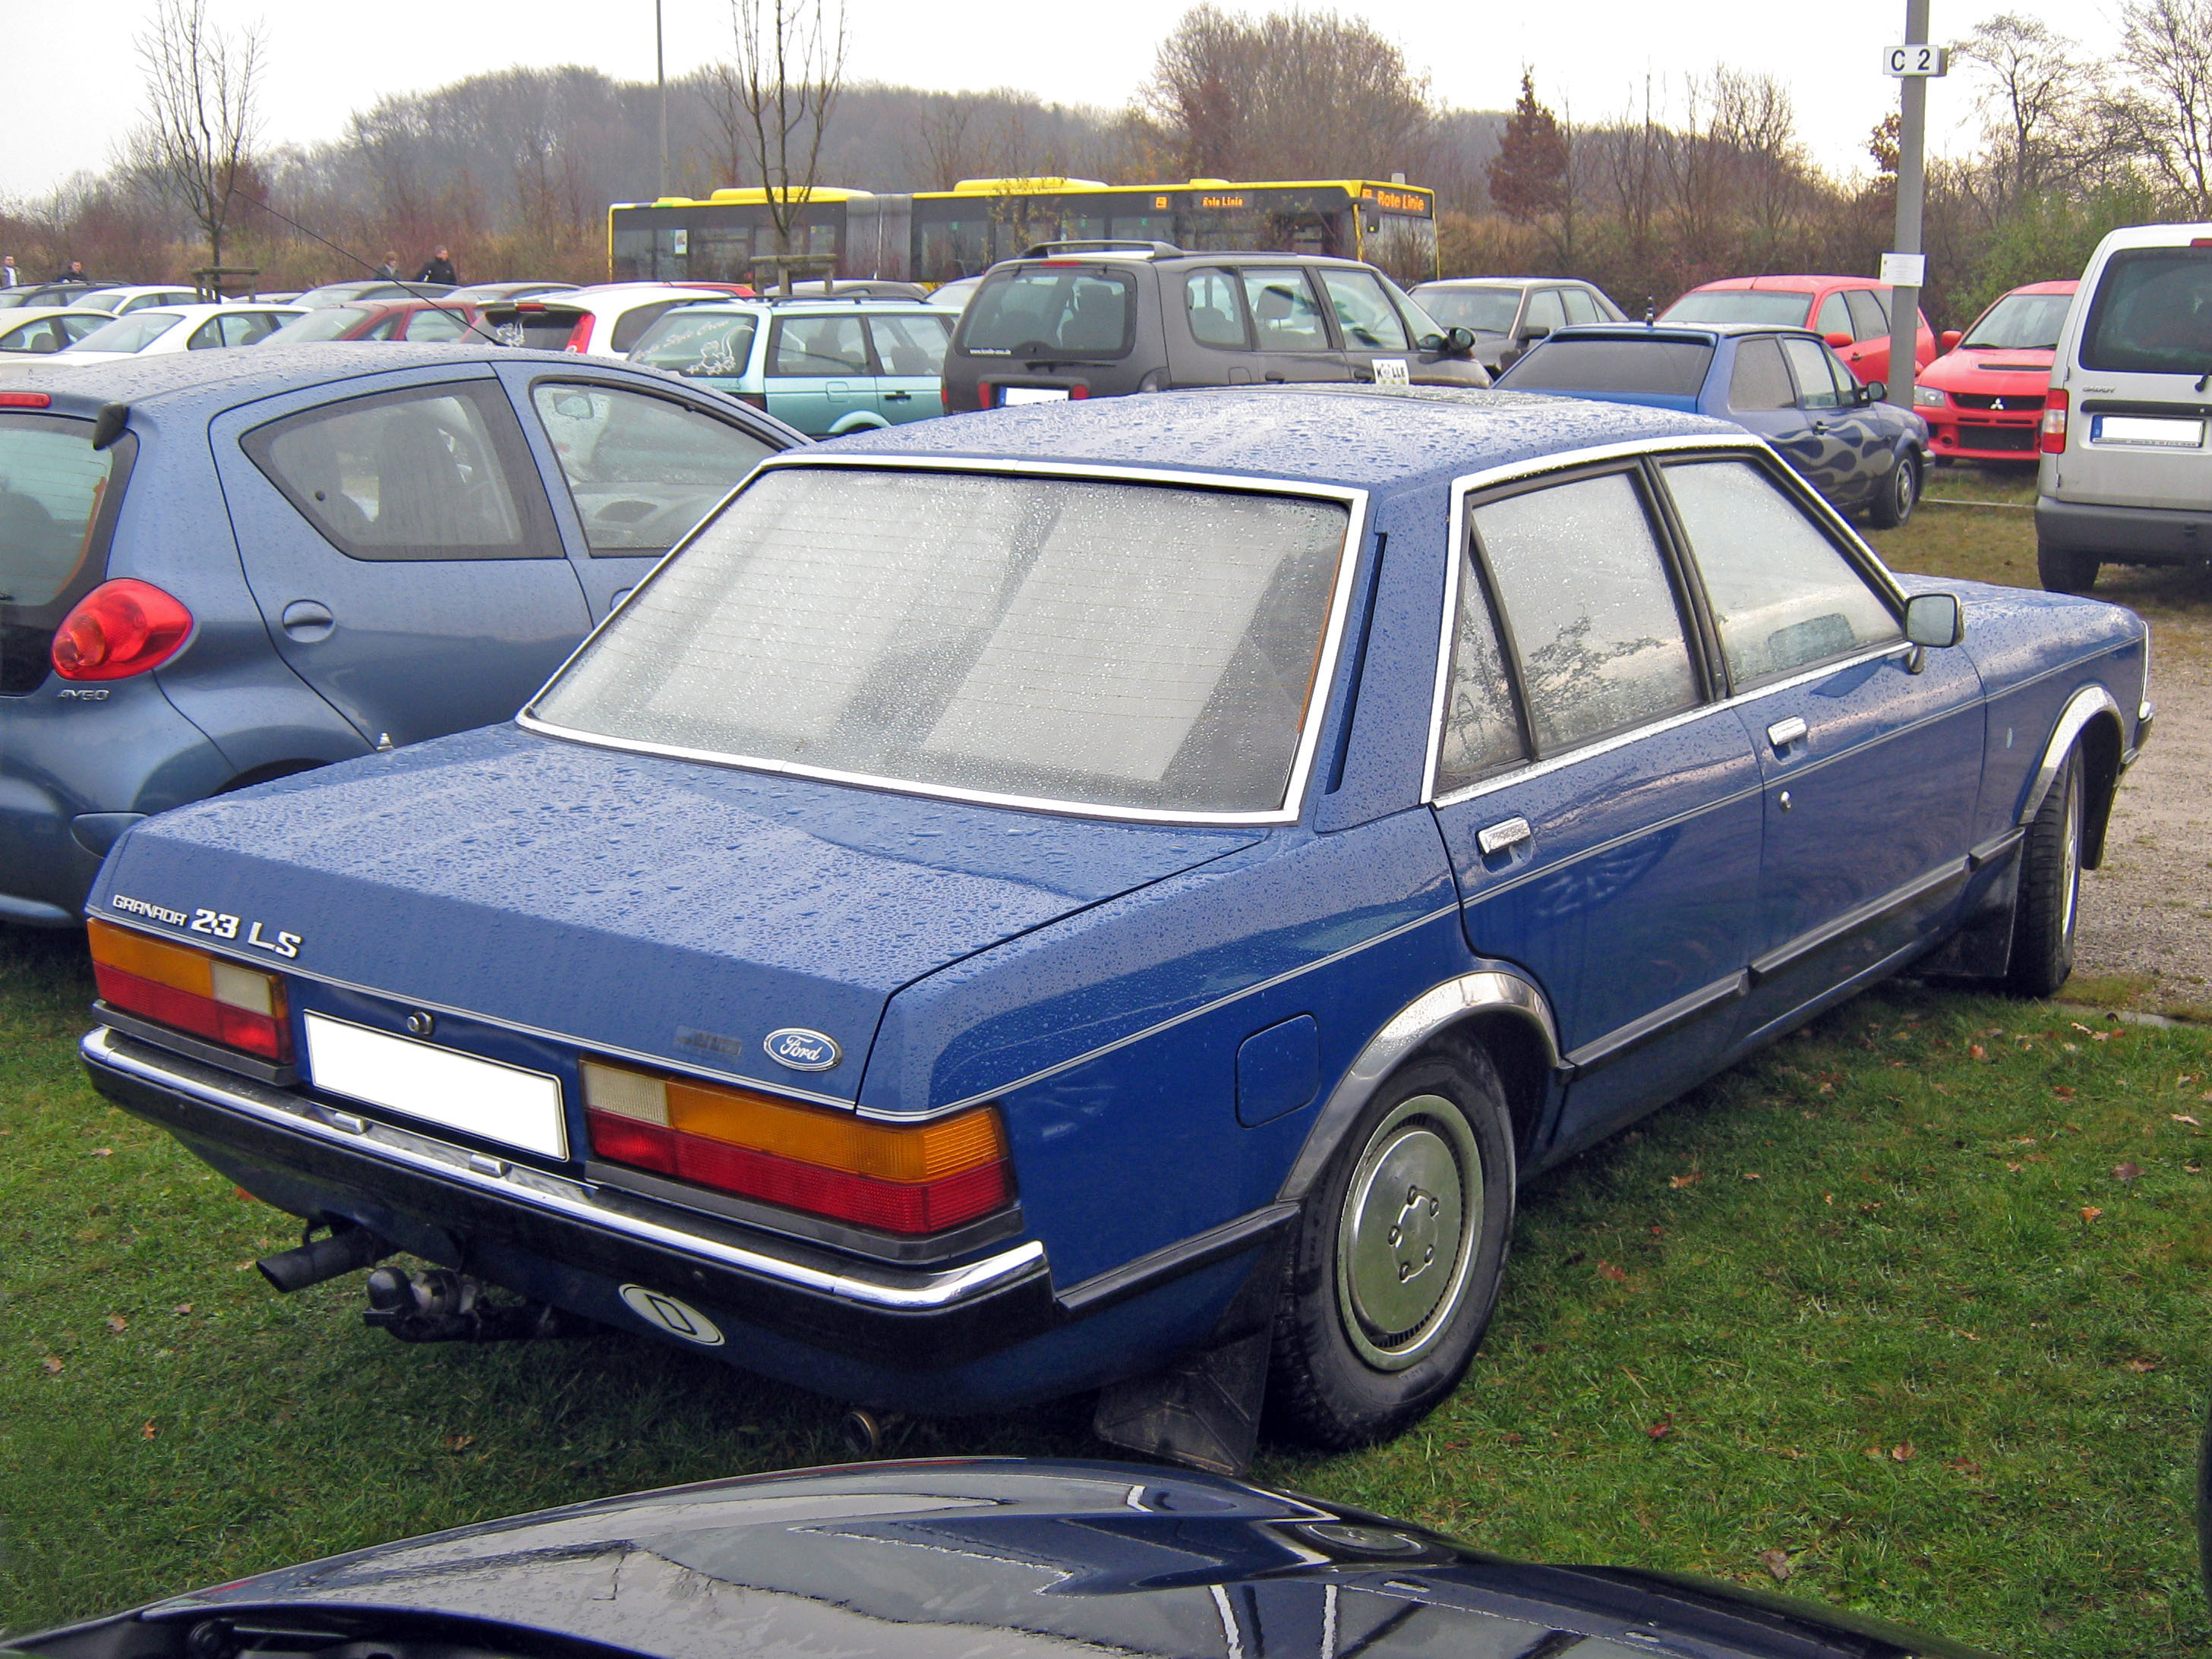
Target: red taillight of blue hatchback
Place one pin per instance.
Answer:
(925, 1178)
(120, 628)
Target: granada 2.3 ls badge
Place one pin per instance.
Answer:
(801, 1050)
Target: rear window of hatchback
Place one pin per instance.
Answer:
(2152, 313)
(1052, 310)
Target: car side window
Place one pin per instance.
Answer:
(1581, 308)
(208, 336)
(1759, 380)
(1481, 726)
(1808, 366)
(805, 347)
(386, 329)
(1217, 319)
(911, 345)
(642, 470)
(1835, 317)
(1544, 311)
(1364, 315)
(436, 326)
(75, 328)
(1869, 321)
(630, 326)
(1596, 634)
(1283, 315)
(431, 473)
(1781, 593)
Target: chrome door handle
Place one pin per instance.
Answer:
(1782, 733)
(1512, 832)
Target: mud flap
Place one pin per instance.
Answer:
(1982, 948)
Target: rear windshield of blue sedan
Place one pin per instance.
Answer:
(1666, 367)
(1069, 641)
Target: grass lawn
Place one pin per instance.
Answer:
(1912, 1309)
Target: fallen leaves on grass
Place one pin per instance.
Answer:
(1752, 1175)
(1901, 1452)
(2062, 1092)
(182, 1308)
(1617, 1274)
(54, 1365)
(103, 1151)
(2090, 1213)
(1975, 1051)
(1690, 1180)
(2127, 1172)
(455, 1442)
(117, 1323)
(147, 1433)
(2183, 1117)
(2139, 1366)
(2015, 1167)
(1778, 1563)
(1661, 1429)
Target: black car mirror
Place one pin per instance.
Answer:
(1434, 344)
(1934, 619)
(1529, 333)
(1463, 341)
(1875, 392)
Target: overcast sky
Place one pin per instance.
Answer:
(66, 110)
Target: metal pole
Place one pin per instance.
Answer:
(1912, 136)
(661, 76)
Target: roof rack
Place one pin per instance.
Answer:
(1103, 245)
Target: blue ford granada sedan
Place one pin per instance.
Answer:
(1112, 895)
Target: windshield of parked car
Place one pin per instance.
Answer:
(2152, 313)
(1053, 311)
(325, 323)
(1485, 310)
(1673, 368)
(717, 343)
(1085, 642)
(1740, 304)
(2021, 322)
(134, 333)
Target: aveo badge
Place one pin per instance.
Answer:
(800, 1049)
(677, 1318)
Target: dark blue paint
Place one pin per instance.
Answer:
(1158, 1011)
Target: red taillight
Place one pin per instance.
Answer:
(1079, 392)
(2054, 421)
(757, 399)
(120, 628)
(25, 400)
(581, 335)
(174, 985)
(922, 1179)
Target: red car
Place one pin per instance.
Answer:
(439, 320)
(1853, 312)
(1982, 399)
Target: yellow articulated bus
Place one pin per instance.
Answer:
(934, 236)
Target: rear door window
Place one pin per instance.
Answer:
(208, 336)
(1217, 316)
(1761, 381)
(1810, 364)
(1544, 311)
(2152, 313)
(437, 325)
(1869, 321)
(1674, 368)
(910, 345)
(642, 470)
(1581, 308)
(1284, 317)
(630, 326)
(1364, 314)
(1052, 310)
(1835, 317)
(812, 346)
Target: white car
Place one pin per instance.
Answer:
(161, 329)
(954, 296)
(605, 321)
(117, 301)
(40, 330)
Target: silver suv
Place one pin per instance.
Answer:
(2126, 473)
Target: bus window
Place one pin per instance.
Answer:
(1403, 246)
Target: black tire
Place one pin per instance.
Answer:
(2062, 570)
(1898, 494)
(2049, 888)
(1339, 1377)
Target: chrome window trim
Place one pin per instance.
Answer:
(1718, 444)
(2084, 706)
(1354, 500)
(518, 1184)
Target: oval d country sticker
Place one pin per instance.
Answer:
(677, 1318)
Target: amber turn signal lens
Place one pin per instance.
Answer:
(191, 990)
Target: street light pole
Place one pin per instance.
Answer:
(1912, 137)
(661, 76)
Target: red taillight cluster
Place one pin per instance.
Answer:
(580, 337)
(924, 1179)
(120, 628)
(2054, 421)
(175, 985)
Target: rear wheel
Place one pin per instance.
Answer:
(1899, 494)
(1398, 1258)
(2049, 888)
(2062, 570)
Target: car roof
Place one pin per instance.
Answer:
(1361, 436)
(1789, 284)
(1500, 282)
(1702, 333)
(2063, 285)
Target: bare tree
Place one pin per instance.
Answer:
(1755, 125)
(202, 88)
(2165, 114)
(773, 101)
(2035, 98)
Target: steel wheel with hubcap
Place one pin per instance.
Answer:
(1899, 494)
(1398, 1257)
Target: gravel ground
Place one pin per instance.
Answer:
(2148, 912)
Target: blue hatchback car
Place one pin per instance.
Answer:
(222, 566)
(1113, 894)
(1785, 383)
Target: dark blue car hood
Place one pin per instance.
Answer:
(619, 899)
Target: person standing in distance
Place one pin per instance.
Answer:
(74, 273)
(438, 268)
(9, 275)
(388, 270)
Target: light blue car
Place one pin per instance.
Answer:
(827, 365)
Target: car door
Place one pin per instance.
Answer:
(1869, 749)
(1544, 311)
(1600, 810)
(1289, 334)
(1830, 445)
(910, 348)
(1376, 343)
(1867, 356)
(402, 551)
(640, 470)
(819, 372)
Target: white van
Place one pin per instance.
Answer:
(2126, 474)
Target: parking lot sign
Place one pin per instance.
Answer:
(1916, 59)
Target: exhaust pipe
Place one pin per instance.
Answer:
(348, 1248)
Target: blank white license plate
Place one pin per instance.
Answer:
(1010, 395)
(2150, 429)
(478, 1097)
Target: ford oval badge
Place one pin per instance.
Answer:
(802, 1050)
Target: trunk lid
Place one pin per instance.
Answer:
(660, 907)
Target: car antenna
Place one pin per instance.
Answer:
(1650, 311)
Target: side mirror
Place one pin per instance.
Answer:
(1838, 339)
(1934, 619)
(1950, 339)
(1460, 340)
(1875, 392)
(1528, 334)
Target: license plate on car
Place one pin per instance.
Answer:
(479, 1097)
(1011, 395)
(2159, 432)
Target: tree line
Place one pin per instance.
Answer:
(1697, 177)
